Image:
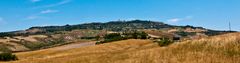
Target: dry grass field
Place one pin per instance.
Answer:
(216, 49)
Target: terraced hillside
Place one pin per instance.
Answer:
(217, 49)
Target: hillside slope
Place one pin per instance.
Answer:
(216, 49)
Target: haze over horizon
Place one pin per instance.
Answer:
(214, 14)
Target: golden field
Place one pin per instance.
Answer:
(217, 49)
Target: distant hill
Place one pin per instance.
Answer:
(109, 26)
(42, 37)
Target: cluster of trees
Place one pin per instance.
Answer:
(118, 36)
(112, 37)
(7, 57)
(136, 35)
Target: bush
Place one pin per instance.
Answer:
(164, 42)
(7, 57)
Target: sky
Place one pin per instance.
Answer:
(211, 14)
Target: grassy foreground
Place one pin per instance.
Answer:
(217, 49)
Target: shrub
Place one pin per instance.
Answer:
(7, 57)
(164, 42)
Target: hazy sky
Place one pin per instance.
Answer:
(212, 14)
